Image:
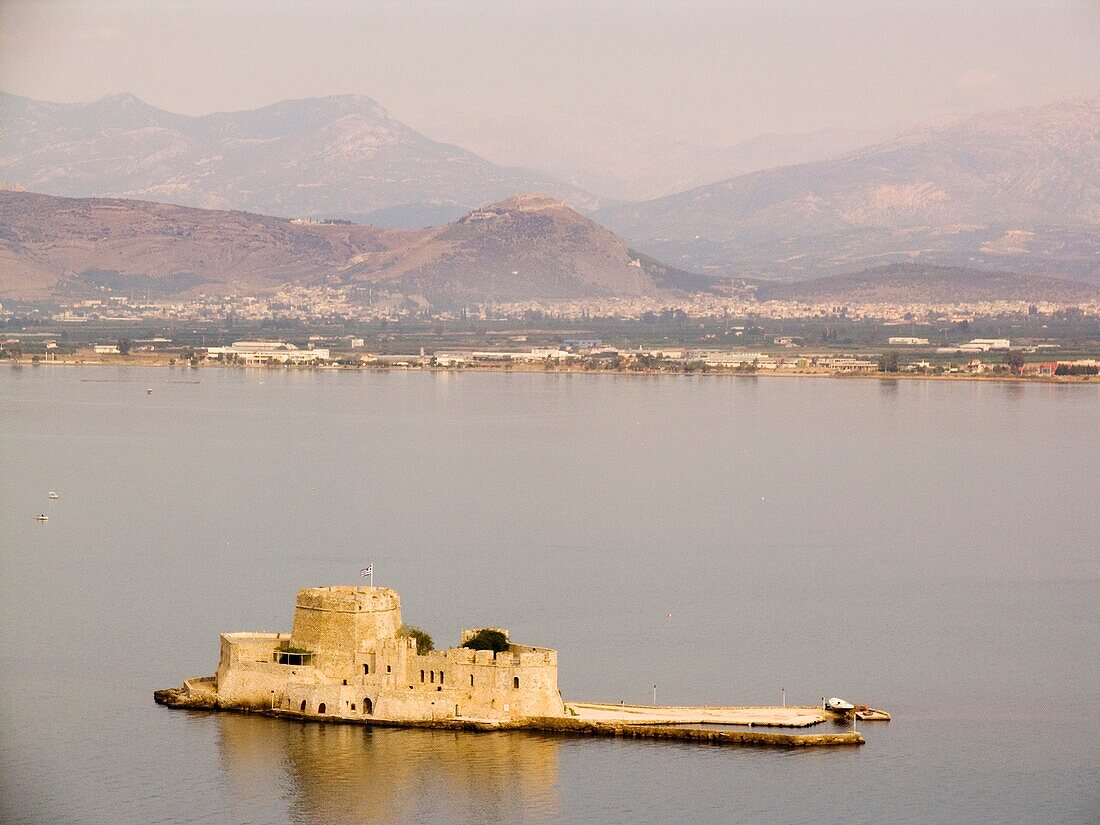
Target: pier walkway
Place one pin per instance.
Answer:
(782, 717)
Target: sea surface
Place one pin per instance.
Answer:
(928, 547)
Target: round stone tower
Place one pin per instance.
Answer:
(335, 623)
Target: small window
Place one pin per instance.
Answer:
(441, 677)
(303, 706)
(471, 680)
(515, 683)
(345, 681)
(368, 705)
(366, 670)
(432, 676)
(389, 669)
(353, 705)
(421, 676)
(321, 708)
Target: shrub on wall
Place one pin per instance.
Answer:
(487, 639)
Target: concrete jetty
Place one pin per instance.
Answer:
(777, 717)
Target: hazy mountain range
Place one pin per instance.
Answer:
(611, 154)
(1017, 190)
(339, 156)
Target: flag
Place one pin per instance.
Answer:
(367, 571)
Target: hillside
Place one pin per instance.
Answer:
(1018, 189)
(916, 283)
(527, 247)
(51, 245)
(341, 156)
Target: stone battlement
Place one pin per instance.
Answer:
(347, 599)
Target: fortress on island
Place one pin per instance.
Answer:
(346, 657)
(349, 658)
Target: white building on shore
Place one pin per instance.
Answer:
(267, 352)
(907, 342)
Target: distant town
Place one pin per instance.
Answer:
(337, 328)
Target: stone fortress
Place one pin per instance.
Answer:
(346, 658)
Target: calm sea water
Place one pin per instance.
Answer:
(927, 547)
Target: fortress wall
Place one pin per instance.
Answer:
(247, 672)
(387, 663)
(402, 696)
(250, 684)
(249, 647)
(482, 685)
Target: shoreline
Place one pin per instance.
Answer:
(564, 726)
(130, 362)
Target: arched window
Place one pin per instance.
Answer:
(368, 705)
(366, 670)
(471, 680)
(321, 708)
(515, 683)
(441, 677)
(353, 705)
(432, 675)
(303, 706)
(421, 676)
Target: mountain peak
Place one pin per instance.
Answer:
(521, 205)
(122, 100)
(529, 202)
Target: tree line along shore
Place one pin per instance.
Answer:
(841, 366)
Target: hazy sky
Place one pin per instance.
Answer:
(710, 73)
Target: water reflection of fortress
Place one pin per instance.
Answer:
(346, 658)
(353, 773)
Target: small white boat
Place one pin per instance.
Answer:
(836, 705)
(54, 496)
(148, 390)
(41, 517)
